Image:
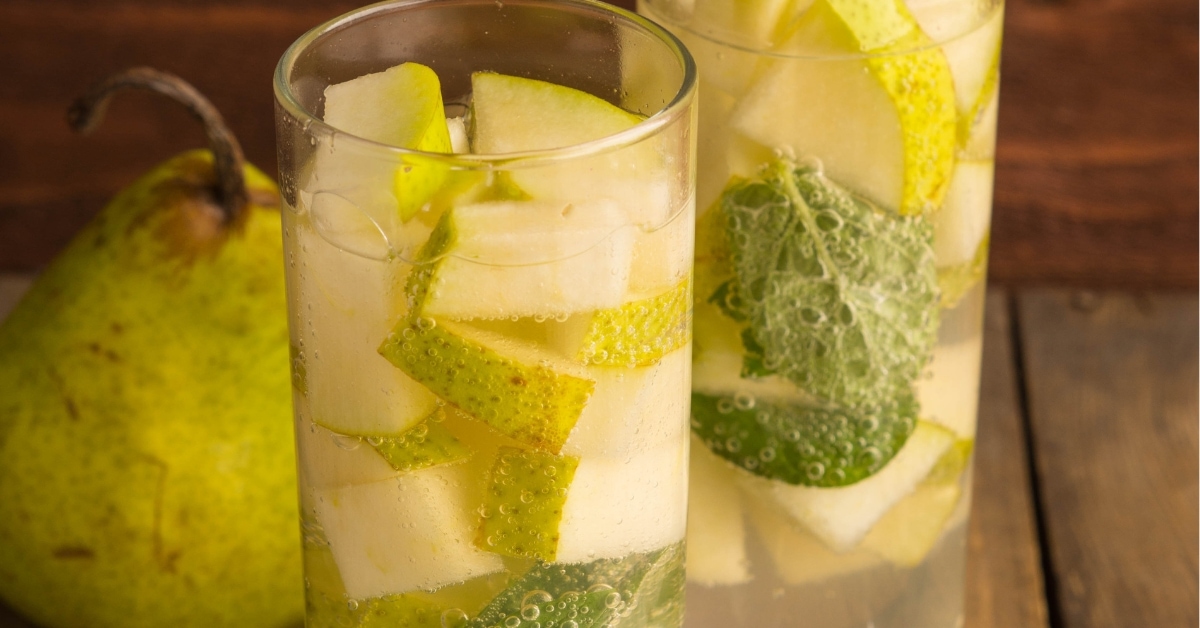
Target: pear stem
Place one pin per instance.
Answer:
(230, 190)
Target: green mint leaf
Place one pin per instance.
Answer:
(591, 594)
(841, 297)
(804, 444)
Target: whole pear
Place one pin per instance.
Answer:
(147, 473)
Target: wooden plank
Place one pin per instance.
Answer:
(1004, 581)
(1112, 393)
(1096, 165)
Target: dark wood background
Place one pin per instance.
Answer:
(1097, 163)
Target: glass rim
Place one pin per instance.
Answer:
(652, 124)
(800, 55)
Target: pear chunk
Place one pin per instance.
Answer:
(352, 302)
(401, 106)
(427, 444)
(641, 332)
(882, 125)
(949, 393)
(960, 230)
(523, 504)
(510, 386)
(547, 259)
(618, 506)
(800, 557)
(513, 114)
(716, 529)
(633, 409)
(404, 534)
(842, 516)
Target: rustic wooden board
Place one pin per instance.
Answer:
(1004, 577)
(1096, 171)
(1112, 391)
(1096, 167)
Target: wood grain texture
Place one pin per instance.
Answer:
(1112, 393)
(1096, 167)
(1004, 578)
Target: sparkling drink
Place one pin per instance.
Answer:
(489, 237)
(844, 197)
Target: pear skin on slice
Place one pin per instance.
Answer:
(639, 333)
(427, 444)
(879, 112)
(523, 399)
(523, 503)
(401, 106)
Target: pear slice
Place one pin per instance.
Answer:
(514, 114)
(911, 529)
(972, 32)
(523, 504)
(427, 444)
(798, 556)
(842, 516)
(401, 106)
(641, 332)
(727, 69)
(716, 530)
(331, 460)
(717, 367)
(949, 392)
(511, 386)
(633, 409)
(350, 302)
(960, 230)
(404, 534)
(962, 224)
(753, 24)
(882, 124)
(662, 255)
(619, 506)
(508, 259)
(981, 139)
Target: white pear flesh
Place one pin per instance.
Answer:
(409, 533)
(981, 139)
(533, 258)
(331, 460)
(633, 409)
(949, 391)
(842, 516)
(883, 126)
(847, 121)
(514, 115)
(798, 556)
(347, 303)
(662, 255)
(401, 106)
(618, 506)
(716, 528)
(972, 32)
(911, 529)
(962, 223)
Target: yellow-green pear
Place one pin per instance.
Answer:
(148, 473)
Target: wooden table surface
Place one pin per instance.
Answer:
(1085, 501)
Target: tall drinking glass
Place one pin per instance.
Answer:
(844, 198)
(489, 240)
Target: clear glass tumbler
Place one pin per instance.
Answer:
(844, 200)
(489, 241)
